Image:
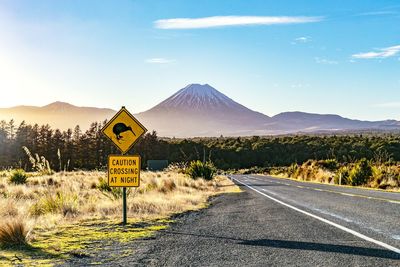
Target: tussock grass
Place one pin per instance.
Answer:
(13, 233)
(198, 169)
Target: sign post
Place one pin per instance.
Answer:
(124, 170)
(124, 209)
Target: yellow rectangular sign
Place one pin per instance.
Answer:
(123, 171)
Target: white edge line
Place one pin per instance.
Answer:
(379, 243)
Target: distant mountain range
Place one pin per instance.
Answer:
(58, 115)
(197, 110)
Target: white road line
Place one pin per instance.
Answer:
(377, 242)
(347, 194)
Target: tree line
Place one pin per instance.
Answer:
(89, 149)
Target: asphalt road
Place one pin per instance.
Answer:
(375, 214)
(279, 222)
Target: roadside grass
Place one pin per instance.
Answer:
(377, 176)
(385, 185)
(67, 214)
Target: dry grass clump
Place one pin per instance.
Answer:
(13, 233)
(167, 186)
(65, 203)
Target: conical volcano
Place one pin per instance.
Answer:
(201, 110)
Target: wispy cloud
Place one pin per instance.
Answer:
(159, 60)
(224, 21)
(301, 40)
(388, 105)
(378, 13)
(325, 61)
(380, 53)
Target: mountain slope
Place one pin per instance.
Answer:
(58, 115)
(201, 110)
(308, 122)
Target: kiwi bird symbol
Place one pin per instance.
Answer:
(121, 128)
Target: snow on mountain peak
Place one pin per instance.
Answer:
(200, 91)
(199, 97)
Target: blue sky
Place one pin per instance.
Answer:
(339, 57)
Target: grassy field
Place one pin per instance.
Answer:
(69, 214)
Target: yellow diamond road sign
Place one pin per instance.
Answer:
(124, 130)
(123, 171)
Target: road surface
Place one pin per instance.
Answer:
(280, 222)
(375, 214)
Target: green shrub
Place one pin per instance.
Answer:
(18, 177)
(198, 169)
(361, 173)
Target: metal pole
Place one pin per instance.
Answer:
(124, 205)
(124, 216)
(124, 201)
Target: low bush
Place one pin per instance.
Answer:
(198, 169)
(18, 177)
(361, 173)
